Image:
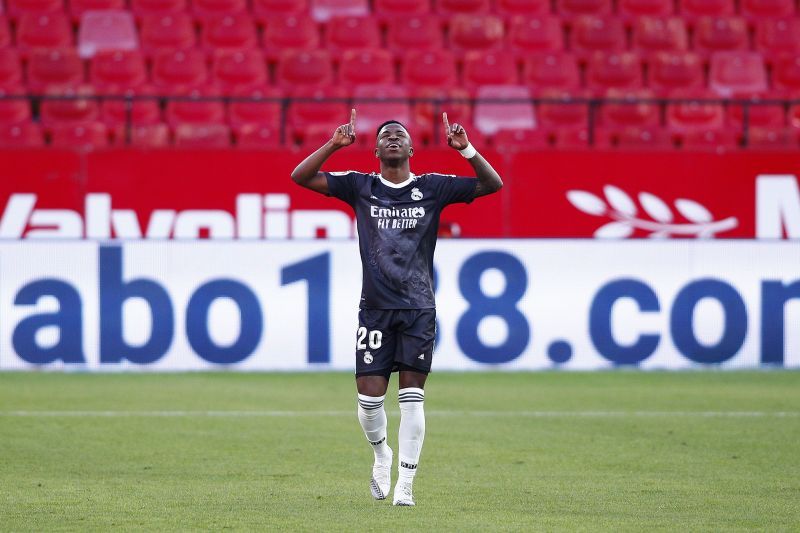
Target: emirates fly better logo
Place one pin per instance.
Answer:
(656, 217)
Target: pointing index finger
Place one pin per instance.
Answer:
(446, 123)
(353, 118)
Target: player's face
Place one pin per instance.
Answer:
(393, 143)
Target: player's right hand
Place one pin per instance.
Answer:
(345, 135)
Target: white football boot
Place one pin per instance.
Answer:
(381, 480)
(403, 495)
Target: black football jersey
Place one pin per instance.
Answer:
(397, 228)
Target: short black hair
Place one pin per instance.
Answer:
(378, 131)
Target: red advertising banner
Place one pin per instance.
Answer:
(249, 195)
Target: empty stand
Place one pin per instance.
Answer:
(73, 105)
(607, 71)
(695, 9)
(671, 72)
(290, 33)
(117, 70)
(631, 9)
(651, 138)
(179, 71)
(759, 9)
(229, 32)
(737, 73)
(714, 140)
(720, 35)
(208, 10)
(266, 11)
(696, 113)
(304, 67)
(523, 8)
(415, 33)
(503, 107)
(254, 137)
(652, 35)
(551, 70)
(131, 107)
(55, 67)
(324, 10)
(197, 107)
(598, 34)
(322, 107)
(630, 109)
(389, 10)
(489, 68)
(78, 7)
(234, 70)
(85, 136)
(167, 32)
(527, 35)
(347, 33)
(106, 30)
(5, 32)
(771, 139)
(142, 136)
(202, 137)
(775, 37)
(786, 75)
(366, 67)
(256, 106)
(510, 141)
(429, 105)
(10, 68)
(759, 114)
(560, 109)
(448, 8)
(144, 8)
(431, 68)
(376, 104)
(22, 135)
(476, 32)
(17, 8)
(14, 110)
(46, 30)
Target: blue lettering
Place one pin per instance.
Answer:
(774, 295)
(316, 271)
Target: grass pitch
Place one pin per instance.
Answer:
(528, 451)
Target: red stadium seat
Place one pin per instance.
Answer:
(75, 110)
(115, 71)
(737, 74)
(304, 68)
(489, 68)
(10, 67)
(106, 30)
(238, 69)
(51, 30)
(142, 136)
(475, 32)
(370, 66)
(197, 109)
(432, 68)
(179, 71)
(512, 141)
(14, 110)
(632, 9)
(698, 115)
(608, 71)
(529, 35)
(551, 70)
(389, 10)
(653, 35)
(771, 139)
(576, 8)
(22, 135)
(523, 8)
(260, 106)
(5, 32)
(324, 10)
(515, 112)
(167, 32)
(322, 107)
(759, 9)
(229, 32)
(759, 114)
(695, 9)
(17, 8)
(449, 8)
(597, 34)
(348, 33)
(138, 111)
(407, 34)
(720, 35)
(580, 139)
(254, 137)
(717, 140)
(148, 8)
(631, 109)
(79, 7)
(562, 110)
(266, 11)
(431, 102)
(377, 103)
(794, 117)
(60, 66)
(786, 75)
(670, 72)
(290, 33)
(652, 138)
(776, 37)
(86, 136)
(202, 137)
(207, 10)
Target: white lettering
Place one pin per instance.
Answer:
(248, 216)
(777, 206)
(56, 224)
(98, 216)
(16, 214)
(189, 223)
(276, 218)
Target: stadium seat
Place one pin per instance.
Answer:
(786, 75)
(388, 10)
(166, 32)
(489, 68)
(179, 71)
(78, 7)
(572, 139)
(561, 109)
(720, 35)
(632, 9)
(323, 107)
(58, 66)
(106, 30)
(529, 35)
(304, 68)
(475, 32)
(22, 135)
(18, 8)
(759, 114)
(522, 8)
(449, 8)
(670, 72)
(770, 139)
(597, 34)
(229, 32)
(652, 138)
(348, 33)
(266, 11)
(324, 10)
(47, 30)
(696, 9)
(775, 37)
(290, 33)
(149, 8)
(255, 137)
(5, 32)
(260, 106)
(760, 9)
(515, 112)
(794, 117)
(74, 110)
(608, 71)
(238, 69)
(631, 109)
(431, 68)
(142, 136)
(202, 137)
(711, 140)
(688, 115)
(197, 109)
(116, 70)
(551, 70)
(429, 105)
(370, 66)
(376, 104)
(86, 136)
(577, 8)
(652, 35)
(10, 68)
(512, 141)
(737, 74)
(415, 33)
(138, 111)
(208, 10)
(14, 110)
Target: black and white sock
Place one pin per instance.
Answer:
(412, 431)
(373, 421)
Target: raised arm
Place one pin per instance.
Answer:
(307, 173)
(489, 180)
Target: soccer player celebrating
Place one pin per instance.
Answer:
(397, 216)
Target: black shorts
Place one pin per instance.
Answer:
(388, 340)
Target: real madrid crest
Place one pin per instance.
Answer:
(416, 194)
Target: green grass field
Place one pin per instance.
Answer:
(620, 451)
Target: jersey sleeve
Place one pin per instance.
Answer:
(343, 185)
(455, 189)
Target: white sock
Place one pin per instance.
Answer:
(412, 431)
(373, 422)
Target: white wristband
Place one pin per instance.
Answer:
(469, 152)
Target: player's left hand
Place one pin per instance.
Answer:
(456, 135)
